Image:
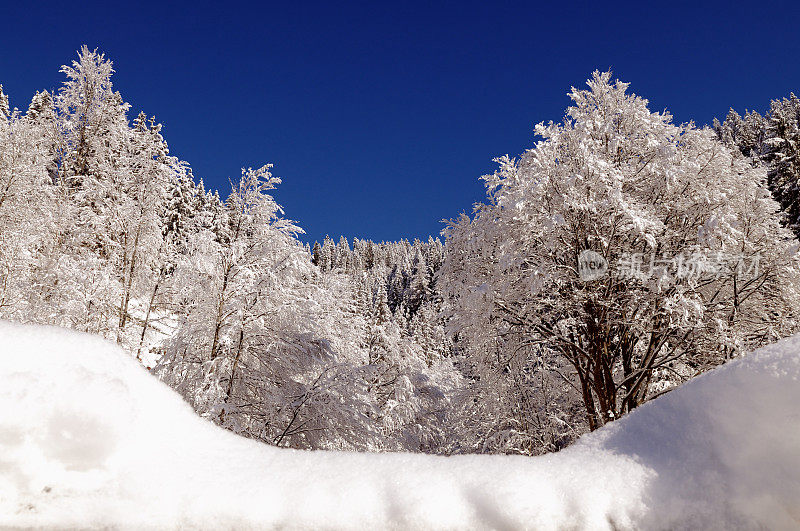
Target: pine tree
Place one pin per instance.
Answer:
(42, 115)
(316, 254)
(771, 140)
(5, 112)
(782, 154)
(328, 254)
(94, 118)
(420, 282)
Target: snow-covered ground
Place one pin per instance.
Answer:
(89, 438)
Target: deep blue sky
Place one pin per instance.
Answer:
(381, 117)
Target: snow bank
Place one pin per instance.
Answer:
(88, 438)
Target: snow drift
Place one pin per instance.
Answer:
(88, 438)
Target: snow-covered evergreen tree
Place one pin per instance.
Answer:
(5, 110)
(772, 140)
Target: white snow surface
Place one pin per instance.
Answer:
(89, 438)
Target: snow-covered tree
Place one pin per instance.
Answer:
(782, 155)
(5, 110)
(255, 350)
(772, 140)
(699, 268)
(27, 211)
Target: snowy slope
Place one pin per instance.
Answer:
(89, 438)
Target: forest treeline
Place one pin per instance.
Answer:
(492, 339)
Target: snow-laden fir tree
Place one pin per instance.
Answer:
(772, 140)
(28, 211)
(5, 110)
